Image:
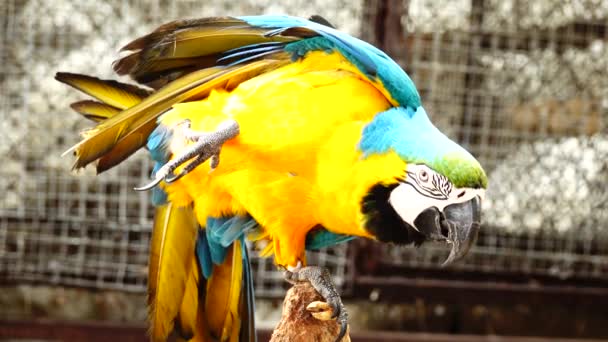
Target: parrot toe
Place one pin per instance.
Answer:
(207, 145)
(320, 279)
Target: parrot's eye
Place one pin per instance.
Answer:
(423, 175)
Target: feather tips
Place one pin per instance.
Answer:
(171, 254)
(93, 110)
(104, 136)
(224, 287)
(116, 96)
(188, 312)
(113, 93)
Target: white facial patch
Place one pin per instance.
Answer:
(424, 188)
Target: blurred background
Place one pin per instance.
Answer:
(523, 85)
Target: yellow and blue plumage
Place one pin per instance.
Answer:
(328, 141)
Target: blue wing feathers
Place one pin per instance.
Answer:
(158, 143)
(323, 238)
(217, 251)
(158, 146)
(218, 235)
(203, 254)
(238, 227)
(159, 196)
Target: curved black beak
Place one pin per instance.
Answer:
(462, 221)
(458, 224)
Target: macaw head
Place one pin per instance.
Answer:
(438, 193)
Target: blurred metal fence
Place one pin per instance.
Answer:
(523, 86)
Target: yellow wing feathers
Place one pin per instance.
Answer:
(140, 114)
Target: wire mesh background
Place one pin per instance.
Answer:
(523, 86)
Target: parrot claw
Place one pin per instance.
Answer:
(161, 174)
(320, 279)
(149, 185)
(206, 146)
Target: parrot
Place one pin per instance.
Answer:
(278, 132)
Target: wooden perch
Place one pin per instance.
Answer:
(306, 318)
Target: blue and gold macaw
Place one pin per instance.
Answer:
(322, 138)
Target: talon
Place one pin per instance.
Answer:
(336, 308)
(149, 185)
(158, 177)
(320, 310)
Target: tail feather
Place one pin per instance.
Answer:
(170, 267)
(220, 308)
(221, 300)
(186, 322)
(228, 303)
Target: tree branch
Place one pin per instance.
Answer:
(297, 322)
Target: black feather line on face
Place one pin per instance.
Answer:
(439, 188)
(383, 222)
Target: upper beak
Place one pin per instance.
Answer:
(458, 224)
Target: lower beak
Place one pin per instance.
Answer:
(458, 224)
(462, 221)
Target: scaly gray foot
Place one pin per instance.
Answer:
(206, 145)
(320, 279)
